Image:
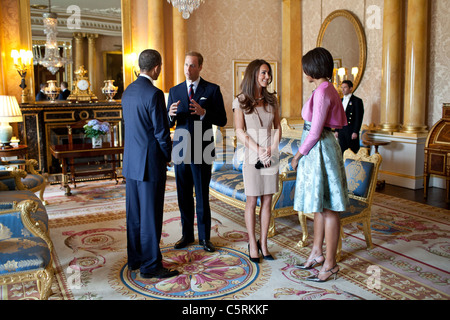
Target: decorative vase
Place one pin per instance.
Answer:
(97, 142)
(52, 90)
(109, 90)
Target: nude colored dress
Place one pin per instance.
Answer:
(259, 126)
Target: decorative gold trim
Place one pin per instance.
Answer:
(71, 117)
(361, 39)
(83, 115)
(118, 117)
(43, 277)
(401, 175)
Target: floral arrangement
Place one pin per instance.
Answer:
(95, 128)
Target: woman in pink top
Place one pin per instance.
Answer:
(321, 185)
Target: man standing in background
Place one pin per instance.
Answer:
(348, 136)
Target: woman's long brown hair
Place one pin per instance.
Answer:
(246, 98)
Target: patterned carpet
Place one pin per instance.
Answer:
(410, 259)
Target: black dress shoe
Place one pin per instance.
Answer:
(268, 257)
(183, 242)
(160, 274)
(254, 260)
(133, 267)
(207, 245)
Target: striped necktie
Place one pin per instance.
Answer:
(191, 92)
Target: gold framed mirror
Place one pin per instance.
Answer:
(343, 35)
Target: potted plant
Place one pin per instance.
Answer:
(95, 129)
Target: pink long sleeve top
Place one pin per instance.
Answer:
(323, 109)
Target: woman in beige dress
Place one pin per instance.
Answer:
(257, 123)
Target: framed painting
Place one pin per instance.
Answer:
(239, 67)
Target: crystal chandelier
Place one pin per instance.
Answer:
(52, 59)
(186, 6)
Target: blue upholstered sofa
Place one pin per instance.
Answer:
(28, 179)
(25, 244)
(227, 182)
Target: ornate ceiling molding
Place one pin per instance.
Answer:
(100, 21)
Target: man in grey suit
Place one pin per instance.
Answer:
(147, 151)
(348, 136)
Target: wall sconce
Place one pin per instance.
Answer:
(355, 72)
(22, 61)
(9, 112)
(342, 73)
(134, 62)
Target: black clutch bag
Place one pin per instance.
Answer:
(260, 165)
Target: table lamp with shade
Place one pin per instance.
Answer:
(9, 112)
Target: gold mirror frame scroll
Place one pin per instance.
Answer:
(361, 39)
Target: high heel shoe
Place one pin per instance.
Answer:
(315, 278)
(303, 266)
(268, 257)
(254, 260)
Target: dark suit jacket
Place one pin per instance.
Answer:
(147, 134)
(209, 97)
(41, 96)
(64, 94)
(355, 114)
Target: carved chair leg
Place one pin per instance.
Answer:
(367, 233)
(44, 283)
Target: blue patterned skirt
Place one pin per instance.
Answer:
(321, 182)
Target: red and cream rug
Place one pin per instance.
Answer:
(409, 261)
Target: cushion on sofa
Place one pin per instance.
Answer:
(33, 180)
(22, 254)
(289, 145)
(238, 157)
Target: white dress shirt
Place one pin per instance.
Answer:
(146, 76)
(195, 83)
(346, 100)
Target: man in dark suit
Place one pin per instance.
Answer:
(195, 105)
(64, 93)
(348, 136)
(41, 96)
(147, 151)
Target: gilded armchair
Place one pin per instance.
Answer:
(361, 172)
(28, 179)
(25, 245)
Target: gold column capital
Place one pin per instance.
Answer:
(92, 36)
(78, 35)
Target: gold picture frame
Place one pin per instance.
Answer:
(239, 67)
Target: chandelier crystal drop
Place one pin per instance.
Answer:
(186, 6)
(52, 59)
